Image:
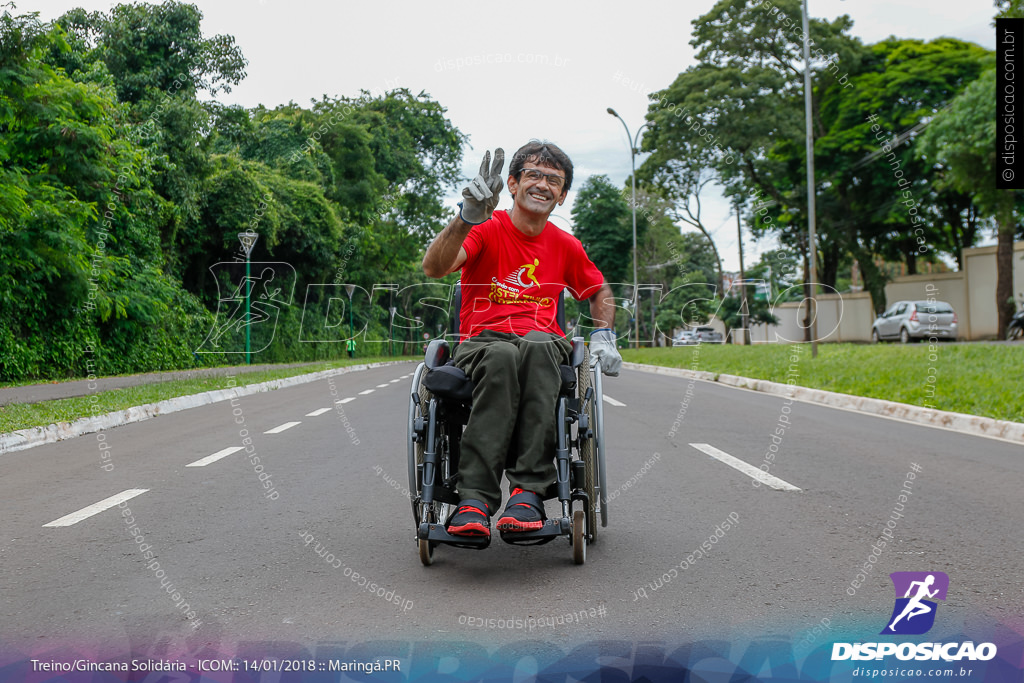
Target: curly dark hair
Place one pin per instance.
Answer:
(543, 153)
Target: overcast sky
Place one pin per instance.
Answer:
(508, 72)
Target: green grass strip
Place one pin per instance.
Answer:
(24, 415)
(976, 379)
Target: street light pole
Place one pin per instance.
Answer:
(744, 305)
(248, 240)
(248, 327)
(813, 249)
(636, 282)
(351, 328)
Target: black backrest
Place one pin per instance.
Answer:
(457, 310)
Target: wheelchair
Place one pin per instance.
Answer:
(437, 415)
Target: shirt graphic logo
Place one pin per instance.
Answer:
(523, 275)
(914, 612)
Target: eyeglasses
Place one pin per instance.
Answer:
(555, 181)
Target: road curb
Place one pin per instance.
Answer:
(23, 439)
(957, 422)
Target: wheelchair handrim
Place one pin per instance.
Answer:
(412, 416)
(602, 470)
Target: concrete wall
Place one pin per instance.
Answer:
(848, 317)
(841, 318)
(980, 267)
(972, 292)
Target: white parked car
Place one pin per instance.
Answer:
(685, 338)
(910, 320)
(701, 333)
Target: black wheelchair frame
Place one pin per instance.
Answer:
(436, 420)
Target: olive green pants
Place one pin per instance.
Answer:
(513, 419)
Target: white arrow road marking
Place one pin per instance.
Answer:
(281, 428)
(95, 508)
(746, 468)
(203, 462)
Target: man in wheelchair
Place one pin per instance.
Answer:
(515, 265)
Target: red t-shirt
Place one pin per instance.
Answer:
(511, 282)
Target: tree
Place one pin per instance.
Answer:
(689, 268)
(758, 313)
(79, 254)
(119, 190)
(740, 112)
(778, 269)
(1009, 9)
(728, 113)
(155, 49)
(961, 144)
(602, 221)
(159, 61)
(876, 196)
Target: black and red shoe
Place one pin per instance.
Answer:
(523, 512)
(471, 518)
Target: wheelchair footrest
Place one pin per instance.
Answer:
(552, 529)
(436, 533)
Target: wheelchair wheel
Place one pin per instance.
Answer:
(415, 449)
(599, 445)
(436, 512)
(579, 537)
(589, 450)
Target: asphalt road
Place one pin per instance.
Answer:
(238, 554)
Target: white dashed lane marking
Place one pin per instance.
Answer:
(95, 508)
(368, 391)
(612, 402)
(321, 411)
(746, 468)
(381, 386)
(203, 462)
(281, 428)
(346, 400)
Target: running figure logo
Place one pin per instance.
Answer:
(523, 275)
(914, 613)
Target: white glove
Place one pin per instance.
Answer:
(480, 197)
(603, 351)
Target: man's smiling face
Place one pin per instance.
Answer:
(538, 195)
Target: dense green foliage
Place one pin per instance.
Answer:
(738, 115)
(121, 192)
(603, 224)
(961, 144)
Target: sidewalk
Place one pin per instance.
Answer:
(50, 391)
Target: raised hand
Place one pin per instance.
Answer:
(480, 197)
